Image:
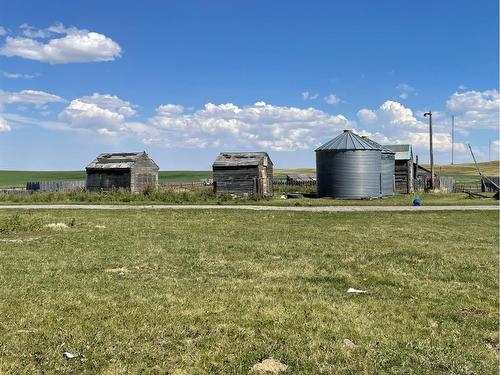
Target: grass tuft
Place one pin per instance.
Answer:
(20, 223)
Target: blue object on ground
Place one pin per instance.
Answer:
(417, 202)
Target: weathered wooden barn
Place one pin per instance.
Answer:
(403, 173)
(133, 171)
(243, 173)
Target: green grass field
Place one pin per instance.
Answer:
(214, 292)
(467, 173)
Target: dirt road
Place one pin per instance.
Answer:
(247, 207)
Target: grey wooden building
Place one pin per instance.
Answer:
(243, 173)
(403, 168)
(134, 171)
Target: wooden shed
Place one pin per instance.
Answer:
(243, 173)
(403, 173)
(133, 171)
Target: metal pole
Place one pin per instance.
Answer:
(452, 137)
(430, 148)
(489, 150)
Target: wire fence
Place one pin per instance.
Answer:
(198, 185)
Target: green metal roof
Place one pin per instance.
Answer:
(403, 152)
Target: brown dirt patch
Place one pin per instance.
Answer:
(269, 366)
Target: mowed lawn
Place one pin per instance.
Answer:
(214, 292)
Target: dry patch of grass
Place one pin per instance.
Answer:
(117, 270)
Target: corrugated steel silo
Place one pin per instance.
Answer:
(387, 167)
(348, 167)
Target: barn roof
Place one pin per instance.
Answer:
(117, 160)
(241, 159)
(348, 141)
(403, 152)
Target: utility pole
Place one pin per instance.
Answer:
(430, 148)
(452, 137)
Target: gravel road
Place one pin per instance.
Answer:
(247, 207)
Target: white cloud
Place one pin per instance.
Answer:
(366, 115)
(36, 98)
(306, 95)
(258, 126)
(170, 109)
(67, 45)
(106, 132)
(474, 101)
(475, 109)
(332, 99)
(18, 119)
(20, 75)
(392, 122)
(405, 90)
(4, 127)
(98, 111)
(3, 31)
(391, 115)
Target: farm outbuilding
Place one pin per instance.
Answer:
(387, 168)
(133, 171)
(243, 173)
(403, 161)
(349, 166)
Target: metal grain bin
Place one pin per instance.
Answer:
(348, 167)
(387, 167)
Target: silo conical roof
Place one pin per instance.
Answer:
(349, 141)
(384, 149)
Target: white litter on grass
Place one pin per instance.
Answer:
(352, 290)
(283, 197)
(57, 226)
(349, 344)
(68, 355)
(100, 226)
(26, 331)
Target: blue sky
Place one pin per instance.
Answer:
(185, 80)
